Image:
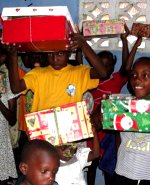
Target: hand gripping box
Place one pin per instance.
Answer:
(60, 125)
(126, 114)
(103, 28)
(37, 29)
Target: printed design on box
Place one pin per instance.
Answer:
(126, 115)
(142, 29)
(103, 27)
(139, 142)
(60, 125)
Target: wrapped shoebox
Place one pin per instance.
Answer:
(96, 28)
(142, 29)
(60, 125)
(37, 29)
(2, 82)
(126, 114)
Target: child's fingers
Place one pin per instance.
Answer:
(77, 28)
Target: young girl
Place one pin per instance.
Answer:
(133, 160)
(7, 116)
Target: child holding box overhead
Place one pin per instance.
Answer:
(59, 83)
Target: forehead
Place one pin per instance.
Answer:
(141, 66)
(39, 156)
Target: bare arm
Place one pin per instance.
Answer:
(17, 85)
(98, 70)
(95, 153)
(125, 51)
(9, 113)
(132, 53)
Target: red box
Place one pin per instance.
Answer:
(43, 32)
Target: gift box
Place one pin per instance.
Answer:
(37, 29)
(96, 28)
(126, 114)
(140, 29)
(2, 82)
(60, 125)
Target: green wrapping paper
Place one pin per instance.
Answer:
(126, 114)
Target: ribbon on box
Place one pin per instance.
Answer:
(31, 40)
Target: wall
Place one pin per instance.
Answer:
(72, 5)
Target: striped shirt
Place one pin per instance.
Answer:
(134, 156)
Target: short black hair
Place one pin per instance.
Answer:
(107, 54)
(142, 59)
(37, 144)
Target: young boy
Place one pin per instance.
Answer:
(71, 168)
(39, 163)
(59, 83)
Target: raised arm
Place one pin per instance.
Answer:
(98, 70)
(125, 51)
(95, 153)
(17, 85)
(132, 53)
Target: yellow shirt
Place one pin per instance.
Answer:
(50, 86)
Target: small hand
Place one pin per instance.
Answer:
(77, 40)
(11, 49)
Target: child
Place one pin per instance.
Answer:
(134, 153)
(59, 83)
(113, 83)
(71, 168)
(8, 107)
(39, 163)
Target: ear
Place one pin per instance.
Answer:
(23, 168)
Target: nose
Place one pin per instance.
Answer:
(51, 178)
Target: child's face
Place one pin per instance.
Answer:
(109, 65)
(58, 60)
(140, 79)
(66, 152)
(41, 169)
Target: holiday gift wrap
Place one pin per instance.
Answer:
(141, 29)
(37, 28)
(103, 27)
(2, 82)
(126, 114)
(60, 125)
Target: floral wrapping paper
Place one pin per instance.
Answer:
(104, 27)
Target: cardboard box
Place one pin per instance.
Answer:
(2, 82)
(60, 125)
(107, 28)
(126, 114)
(140, 29)
(37, 29)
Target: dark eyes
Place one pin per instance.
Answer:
(59, 53)
(144, 76)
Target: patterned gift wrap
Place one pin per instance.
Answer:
(103, 28)
(60, 125)
(126, 114)
(142, 29)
